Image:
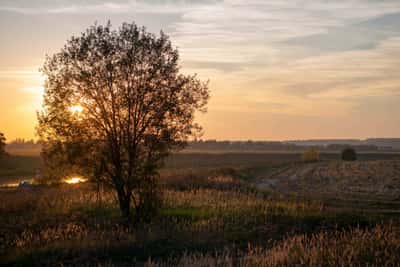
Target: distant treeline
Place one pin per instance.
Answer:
(381, 144)
(21, 146)
(20, 143)
(322, 145)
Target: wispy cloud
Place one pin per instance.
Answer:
(99, 6)
(327, 86)
(264, 33)
(363, 35)
(29, 73)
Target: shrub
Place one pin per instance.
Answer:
(2, 144)
(311, 155)
(349, 154)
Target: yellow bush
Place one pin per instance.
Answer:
(311, 155)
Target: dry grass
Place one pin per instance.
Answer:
(363, 180)
(67, 224)
(379, 246)
(212, 220)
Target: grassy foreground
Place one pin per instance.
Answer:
(209, 220)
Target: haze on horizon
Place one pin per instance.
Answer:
(278, 69)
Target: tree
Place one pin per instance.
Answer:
(349, 154)
(2, 144)
(116, 103)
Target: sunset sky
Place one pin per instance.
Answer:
(278, 69)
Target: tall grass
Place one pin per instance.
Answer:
(379, 246)
(64, 224)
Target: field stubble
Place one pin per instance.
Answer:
(360, 183)
(217, 218)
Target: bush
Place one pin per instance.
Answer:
(2, 144)
(148, 200)
(349, 154)
(311, 155)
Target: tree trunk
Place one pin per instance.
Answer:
(99, 200)
(124, 204)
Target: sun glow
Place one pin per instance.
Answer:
(76, 109)
(75, 180)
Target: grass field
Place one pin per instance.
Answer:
(215, 212)
(15, 168)
(21, 166)
(65, 224)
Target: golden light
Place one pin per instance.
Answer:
(76, 109)
(75, 180)
(36, 94)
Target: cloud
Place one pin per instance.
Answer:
(363, 35)
(213, 65)
(60, 7)
(19, 73)
(99, 6)
(267, 33)
(331, 86)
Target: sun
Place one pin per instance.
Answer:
(76, 109)
(75, 180)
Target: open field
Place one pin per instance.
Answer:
(33, 152)
(246, 209)
(19, 167)
(365, 184)
(218, 219)
(16, 168)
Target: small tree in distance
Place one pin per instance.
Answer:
(115, 106)
(2, 144)
(349, 154)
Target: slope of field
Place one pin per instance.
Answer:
(363, 182)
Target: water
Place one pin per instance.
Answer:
(15, 182)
